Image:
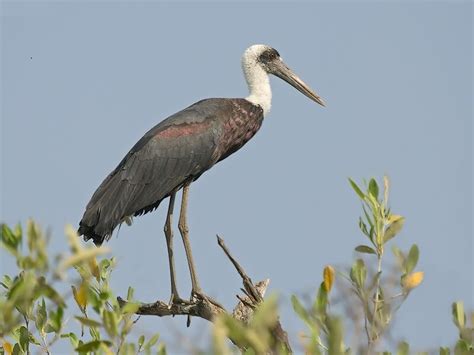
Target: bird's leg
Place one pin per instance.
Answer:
(184, 230)
(169, 244)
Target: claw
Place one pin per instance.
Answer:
(176, 300)
(199, 294)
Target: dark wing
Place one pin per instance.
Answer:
(180, 148)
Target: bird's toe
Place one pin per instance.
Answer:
(198, 294)
(176, 300)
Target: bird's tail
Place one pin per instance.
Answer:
(89, 233)
(103, 212)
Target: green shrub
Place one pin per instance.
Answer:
(32, 307)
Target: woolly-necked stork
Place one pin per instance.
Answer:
(179, 149)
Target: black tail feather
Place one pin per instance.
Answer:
(89, 233)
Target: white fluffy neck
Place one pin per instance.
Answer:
(258, 83)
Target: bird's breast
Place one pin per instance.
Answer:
(238, 129)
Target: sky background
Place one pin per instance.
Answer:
(83, 81)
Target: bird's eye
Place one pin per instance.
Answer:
(269, 55)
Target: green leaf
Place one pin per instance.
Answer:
(462, 348)
(363, 227)
(444, 351)
(105, 267)
(127, 349)
(94, 332)
(459, 316)
(10, 240)
(49, 328)
(367, 217)
(41, 316)
(55, 320)
(17, 231)
(412, 259)
(300, 310)
(105, 294)
(7, 282)
(365, 249)
(357, 189)
(130, 293)
(16, 349)
(335, 337)
(374, 205)
(24, 339)
(153, 340)
(92, 346)
(32, 235)
(403, 348)
(110, 323)
(393, 229)
(162, 349)
(141, 340)
(359, 273)
(321, 301)
(374, 188)
(130, 308)
(88, 322)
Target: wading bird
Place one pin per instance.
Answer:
(178, 150)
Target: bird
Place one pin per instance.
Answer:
(178, 150)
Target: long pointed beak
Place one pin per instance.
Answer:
(280, 69)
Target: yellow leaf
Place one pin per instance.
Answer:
(394, 218)
(81, 295)
(328, 275)
(412, 280)
(396, 223)
(81, 256)
(94, 268)
(8, 348)
(73, 238)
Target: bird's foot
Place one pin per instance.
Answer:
(176, 300)
(198, 294)
(196, 297)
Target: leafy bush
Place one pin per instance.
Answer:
(32, 309)
(33, 302)
(377, 296)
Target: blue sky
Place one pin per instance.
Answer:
(82, 81)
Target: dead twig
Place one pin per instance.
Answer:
(206, 308)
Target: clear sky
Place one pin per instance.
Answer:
(82, 81)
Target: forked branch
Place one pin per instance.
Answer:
(206, 308)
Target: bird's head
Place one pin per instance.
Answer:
(268, 58)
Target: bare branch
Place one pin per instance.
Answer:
(248, 285)
(201, 308)
(206, 308)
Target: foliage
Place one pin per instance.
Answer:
(255, 337)
(32, 308)
(33, 303)
(377, 299)
(465, 344)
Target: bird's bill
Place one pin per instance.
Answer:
(280, 69)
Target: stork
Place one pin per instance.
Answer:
(178, 150)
